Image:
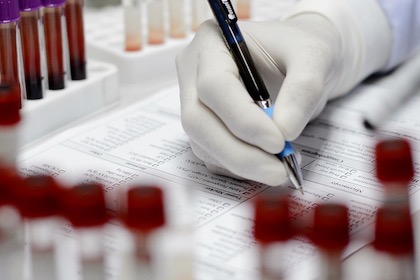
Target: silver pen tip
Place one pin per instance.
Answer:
(293, 172)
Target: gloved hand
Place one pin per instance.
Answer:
(317, 53)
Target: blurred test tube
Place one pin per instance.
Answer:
(143, 214)
(84, 206)
(393, 244)
(37, 199)
(243, 9)
(272, 231)
(133, 25)
(330, 233)
(200, 13)
(155, 22)
(10, 101)
(11, 227)
(394, 169)
(177, 25)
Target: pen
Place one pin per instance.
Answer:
(392, 91)
(227, 19)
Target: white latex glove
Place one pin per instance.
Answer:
(323, 49)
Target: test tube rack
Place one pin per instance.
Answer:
(153, 64)
(80, 99)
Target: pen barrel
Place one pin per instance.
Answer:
(288, 150)
(248, 72)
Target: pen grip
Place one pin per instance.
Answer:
(288, 148)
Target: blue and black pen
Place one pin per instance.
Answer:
(227, 19)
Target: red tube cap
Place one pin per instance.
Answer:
(394, 230)
(145, 208)
(10, 104)
(272, 219)
(37, 196)
(394, 161)
(331, 227)
(84, 205)
(9, 180)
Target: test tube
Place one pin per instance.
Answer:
(84, 206)
(37, 201)
(10, 50)
(143, 214)
(11, 227)
(133, 25)
(30, 30)
(243, 9)
(177, 25)
(272, 231)
(155, 22)
(53, 16)
(394, 243)
(76, 39)
(200, 13)
(175, 250)
(330, 233)
(10, 101)
(394, 169)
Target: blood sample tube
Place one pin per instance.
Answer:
(11, 227)
(133, 25)
(53, 16)
(243, 9)
(31, 30)
(10, 50)
(37, 200)
(394, 243)
(155, 22)
(9, 123)
(143, 214)
(272, 231)
(84, 206)
(177, 25)
(330, 233)
(76, 39)
(394, 169)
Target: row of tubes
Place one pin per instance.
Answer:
(328, 227)
(37, 206)
(177, 25)
(39, 37)
(41, 201)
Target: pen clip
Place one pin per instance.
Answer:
(226, 8)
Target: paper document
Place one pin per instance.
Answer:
(145, 143)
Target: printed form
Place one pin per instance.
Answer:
(145, 143)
